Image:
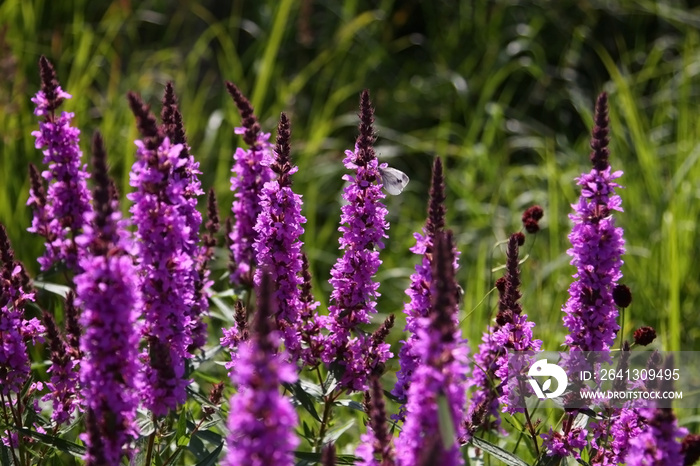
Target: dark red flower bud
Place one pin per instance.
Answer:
(644, 335)
(622, 295)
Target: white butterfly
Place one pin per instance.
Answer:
(394, 180)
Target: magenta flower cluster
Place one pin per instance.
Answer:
(278, 244)
(596, 250)
(163, 213)
(15, 329)
(251, 169)
(59, 216)
(108, 292)
(440, 379)
(418, 307)
(142, 289)
(363, 228)
(262, 420)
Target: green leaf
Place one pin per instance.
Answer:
(446, 423)
(312, 389)
(181, 430)
(5, 456)
(208, 355)
(330, 384)
(63, 445)
(309, 433)
(226, 310)
(348, 403)
(316, 457)
(497, 452)
(333, 434)
(210, 459)
(208, 435)
(389, 396)
(175, 456)
(303, 398)
(196, 447)
(549, 461)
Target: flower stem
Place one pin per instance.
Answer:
(151, 441)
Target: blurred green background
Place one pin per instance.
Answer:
(502, 90)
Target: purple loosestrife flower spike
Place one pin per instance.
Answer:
(515, 331)
(203, 283)
(64, 378)
(597, 247)
(659, 442)
(107, 291)
(162, 214)
(310, 321)
(278, 243)
(376, 447)
(15, 330)
(419, 291)
(440, 378)
(73, 330)
(363, 226)
(60, 216)
(611, 435)
(251, 169)
(186, 177)
(235, 335)
(261, 421)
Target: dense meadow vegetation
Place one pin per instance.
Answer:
(236, 348)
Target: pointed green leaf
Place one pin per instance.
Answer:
(63, 445)
(446, 423)
(348, 403)
(314, 458)
(211, 458)
(333, 434)
(181, 430)
(497, 452)
(303, 398)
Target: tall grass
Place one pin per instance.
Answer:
(503, 91)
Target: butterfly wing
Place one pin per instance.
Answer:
(394, 180)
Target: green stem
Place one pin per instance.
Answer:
(180, 447)
(9, 433)
(530, 427)
(151, 441)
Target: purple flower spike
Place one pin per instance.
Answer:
(15, 330)
(353, 299)
(278, 244)
(64, 377)
(261, 421)
(438, 385)
(597, 247)
(659, 442)
(376, 448)
(251, 169)
(419, 291)
(162, 212)
(108, 293)
(563, 445)
(514, 331)
(59, 216)
(186, 175)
